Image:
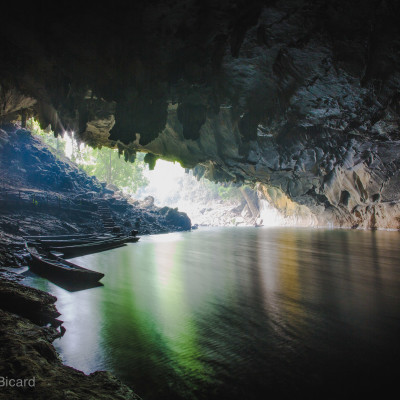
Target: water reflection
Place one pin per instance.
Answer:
(239, 313)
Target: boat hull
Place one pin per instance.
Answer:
(92, 247)
(64, 271)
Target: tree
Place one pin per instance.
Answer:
(107, 165)
(56, 144)
(104, 163)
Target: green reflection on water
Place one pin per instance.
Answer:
(153, 310)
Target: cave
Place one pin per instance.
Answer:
(301, 97)
(296, 103)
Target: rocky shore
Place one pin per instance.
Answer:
(41, 193)
(28, 326)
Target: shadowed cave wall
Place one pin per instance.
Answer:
(301, 98)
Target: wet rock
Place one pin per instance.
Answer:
(26, 352)
(30, 303)
(112, 187)
(178, 219)
(148, 202)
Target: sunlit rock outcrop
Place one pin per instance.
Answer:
(300, 96)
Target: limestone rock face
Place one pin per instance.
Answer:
(43, 192)
(299, 95)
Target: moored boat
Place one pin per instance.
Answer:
(72, 242)
(92, 247)
(132, 239)
(63, 237)
(54, 267)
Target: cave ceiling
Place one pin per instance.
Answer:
(289, 93)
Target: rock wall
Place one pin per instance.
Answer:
(44, 193)
(299, 95)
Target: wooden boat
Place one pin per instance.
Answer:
(91, 247)
(132, 239)
(72, 242)
(54, 267)
(80, 236)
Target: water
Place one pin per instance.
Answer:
(240, 313)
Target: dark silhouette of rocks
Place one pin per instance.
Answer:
(301, 96)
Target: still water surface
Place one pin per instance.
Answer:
(240, 313)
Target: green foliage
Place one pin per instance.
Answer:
(226, 192)
(210, 187)
(56, 144)
(107, 166)
(104, 163)
(229, 192)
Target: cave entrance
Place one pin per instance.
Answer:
(163, 183)
(206, 202)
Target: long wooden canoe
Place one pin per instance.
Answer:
(62, 237)
(132, 239)
(91, 247)
(54, 267)
(72, 242)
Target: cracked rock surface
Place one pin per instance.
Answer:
(300, 96)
